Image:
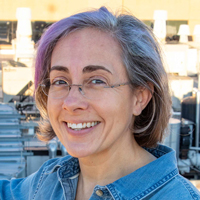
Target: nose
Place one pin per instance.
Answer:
(75, 101)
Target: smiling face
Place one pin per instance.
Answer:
(87, 126)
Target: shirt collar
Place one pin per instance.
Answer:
(67, 167)
(154, 175)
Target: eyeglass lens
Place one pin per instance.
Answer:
(62, 90)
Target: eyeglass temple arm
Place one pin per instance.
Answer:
(118, 85)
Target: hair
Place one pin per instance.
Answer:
(141, 55)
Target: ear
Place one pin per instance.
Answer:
(142, 96)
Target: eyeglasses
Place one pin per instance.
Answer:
(91, 89)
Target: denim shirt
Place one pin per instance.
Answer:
(57, 180)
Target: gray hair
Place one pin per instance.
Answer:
(141, 57)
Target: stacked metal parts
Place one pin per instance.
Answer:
(12, 161)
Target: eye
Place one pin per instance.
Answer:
(97, 81)
(58, 82)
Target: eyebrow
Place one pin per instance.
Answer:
(87, 69)
(91, 68)
(59, 68)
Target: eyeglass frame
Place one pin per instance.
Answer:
(80, 87)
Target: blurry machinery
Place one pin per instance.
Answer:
(52, 148)
(23, 45)
(38, 29)
(4, 32)
(159, 29)
(12, 151)
(172, 139)
(189, 156)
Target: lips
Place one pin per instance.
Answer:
(81, 126)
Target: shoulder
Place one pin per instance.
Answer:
(27, 188)
(188, 186)
(178, 188)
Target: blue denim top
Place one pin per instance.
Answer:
(57, 180)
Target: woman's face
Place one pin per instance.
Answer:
(91, 54)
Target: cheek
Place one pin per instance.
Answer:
(49, 107)
(52, 109)
(117, 108)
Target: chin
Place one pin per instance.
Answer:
(79, 152)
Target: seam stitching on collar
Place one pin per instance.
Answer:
(113, 192)
(58, 165)
(55, 168)
(188, 187)
(157, 185)
(39, 182)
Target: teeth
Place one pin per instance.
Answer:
(77, 129)
(73, 126)
(80, 126)
(88, 124)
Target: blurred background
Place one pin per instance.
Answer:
(176, 24)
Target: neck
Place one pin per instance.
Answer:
(111, 165)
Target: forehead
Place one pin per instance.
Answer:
(88, 46)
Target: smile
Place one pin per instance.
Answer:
(81, 126)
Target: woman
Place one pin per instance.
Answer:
(102, 90)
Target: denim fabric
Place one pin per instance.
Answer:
(57, 180)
